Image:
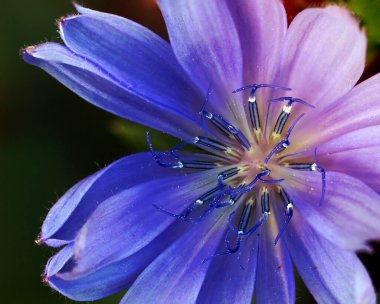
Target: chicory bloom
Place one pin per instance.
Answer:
(289, 173)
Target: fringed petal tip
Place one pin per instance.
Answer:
(346, 15)
(81, 9)
(39, 240)
(341, 11)
(30, 53)
(27, 53)
(369, 246)
(62, 19)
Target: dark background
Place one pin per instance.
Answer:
(50, 138)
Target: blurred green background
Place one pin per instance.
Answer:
(50, 138)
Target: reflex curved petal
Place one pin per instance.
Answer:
(109, 279)
(141, 60)
(73, 209)
(128, 221)
(96, 85)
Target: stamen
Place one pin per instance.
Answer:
(265, 208)
(259, 176)
(300, 166)
(292, 100)
(242, 226)
(201, 165)
(281, 121)
(229, 250)
(285, 113)
(181, 216)
(182, 144)
(207, 196)
(159, 156)
(233, 199)
(312, 167)
(218, 121)
(255, 86)
(254, 112)
(244, 218)
(226, 128)
(288, 204)
(211, 143)
(283, 144)
(252, 104)
(228, 173)
(318, 168)
(204, 127)
(199, 202)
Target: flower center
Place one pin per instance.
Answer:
(246, 166)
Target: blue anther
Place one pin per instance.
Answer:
(249, 231)
(228, 251)
(199, 140)
(214, 195)
(181, 216)
(232, 200)
(285, 113)
(288, 217)
(256, 86)
(199, 165)
(288, 204)
(228, 246)
(228, 173)
(259, 177)
(159, 156)
(226, 127)
(182, 144)
(292, 100)
(265, 207)
(323, 175)
(261, 221)
(283, 144)
(253, 108)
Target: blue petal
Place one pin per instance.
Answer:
(261, 26)
(142, 61)
(178, 273)
(275, 280)
(357, 109)
(58, 261)
(355, 153)
(109, 279)
(261, 31)
(206, 43)
(332, 275)
(315, 75)
(128, 221)
(231, 278)
(96, 85)
(73, 209)
(348, 216)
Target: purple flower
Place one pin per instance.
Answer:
(290, 169)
